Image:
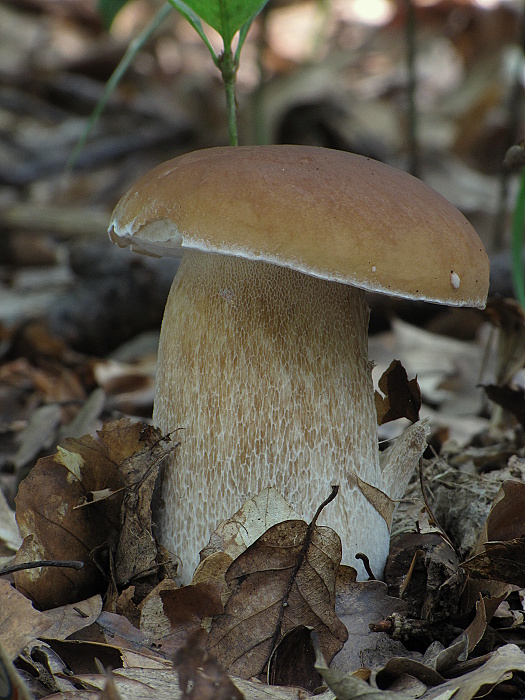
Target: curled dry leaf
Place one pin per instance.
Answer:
(499, 555)
(401, 396)
(347, 686)
(423, 569)
(498, 668)
(285, 579)
(54, 528)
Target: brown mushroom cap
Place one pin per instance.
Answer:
(327, 213)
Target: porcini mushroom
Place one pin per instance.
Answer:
(263, 351)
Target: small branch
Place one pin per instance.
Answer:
(77, 565)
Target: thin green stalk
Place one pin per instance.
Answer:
(518, 224)
(133, 48)
(228, 67)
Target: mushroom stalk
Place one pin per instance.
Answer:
(265, 370)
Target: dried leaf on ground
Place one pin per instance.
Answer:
(498, 668)
(170, 615)
(283, 580)
(358, 604)
(506, 519)
(498, 560)
(347, 686)
(512, 399)
(54, 527)
(255, 517)
(424, 570)
(401, 397)
(10, 539)
(501, 561)
(69, 619)
(293, 661)
(11, 683)
(19, 621)
(201, 676)
(138, 684)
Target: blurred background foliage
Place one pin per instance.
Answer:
(432, 86)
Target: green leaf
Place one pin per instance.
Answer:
(226, 16)
(188, 14)
(108, 10)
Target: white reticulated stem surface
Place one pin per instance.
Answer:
(265, 371)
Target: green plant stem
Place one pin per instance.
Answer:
(133, 48)
(518, 223)
(228, 68)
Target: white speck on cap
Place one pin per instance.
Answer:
(454, 280)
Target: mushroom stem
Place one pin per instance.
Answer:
(266, 370)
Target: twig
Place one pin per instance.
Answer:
(69, 564)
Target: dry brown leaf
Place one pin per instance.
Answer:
(53, 528)
(359, 604)
(293, 661)
(12, 686)
(424, 570)
(257, 515)
(498, 668)
(281, 581)
(137, 549)
(69, 619)
(139, 684)
(9, 536)
(501, 561)
(19, 621)
(512, 399)
(506, 519)
(401, 397)
(200, 676)
(347, 686)
(498, 561)
(180, 612)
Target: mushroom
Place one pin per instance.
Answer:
(263, 351)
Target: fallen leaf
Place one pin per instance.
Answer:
(347, 686)
(69, 619)
(285, 579)
(200, 676)
(358, 604)
(11, 685)
(510, 398)
(19, 621)
(10, 539)
(424, 570)
(54, 528)
(401, 397)
(254, 518)
(501, 561)
(293, 661)
(496, 669)
(506, 518)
